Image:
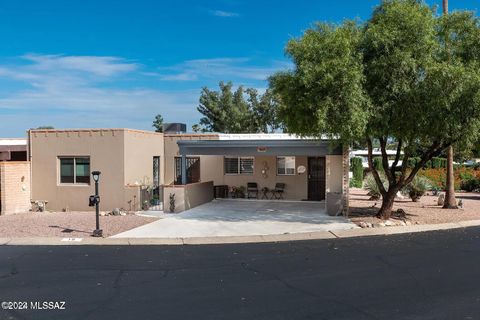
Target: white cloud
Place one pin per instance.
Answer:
(224, 14)
(80, 91)
(220, 69)
(84, 91)
(102, 66)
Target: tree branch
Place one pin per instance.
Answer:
(374, 171)
(435, 150)
(386, 168)
(397, 157)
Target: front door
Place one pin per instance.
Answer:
(316, 178)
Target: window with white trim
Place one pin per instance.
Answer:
(74, 170)
(285, 166)
(239, 165)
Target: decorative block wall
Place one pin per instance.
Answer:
(14, 187)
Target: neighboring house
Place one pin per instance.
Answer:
(135, 162)
(14, 176)
(375, 153)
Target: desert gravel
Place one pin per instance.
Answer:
(66, 224)
(426, 211)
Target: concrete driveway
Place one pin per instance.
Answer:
(242, 218)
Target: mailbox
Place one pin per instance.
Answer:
(93, 200)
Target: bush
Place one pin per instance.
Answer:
(471, 184)
(377, 163)
(356, 164)
(371, 186)
(417, 188)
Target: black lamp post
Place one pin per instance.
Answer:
(95, 200)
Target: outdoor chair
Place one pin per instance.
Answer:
(252, 188)
(277, 193)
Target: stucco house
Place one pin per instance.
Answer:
(183, 166)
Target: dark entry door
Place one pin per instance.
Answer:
(316, 178)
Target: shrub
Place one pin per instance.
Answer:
(417, 188)
(356, 164)
(377, 163)
(471, 184)
(371, 186)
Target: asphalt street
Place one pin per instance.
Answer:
(434, 275)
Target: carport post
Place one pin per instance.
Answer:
(184, 169)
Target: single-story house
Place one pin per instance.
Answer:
(142, 168)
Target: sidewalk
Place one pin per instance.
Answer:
(339, 234)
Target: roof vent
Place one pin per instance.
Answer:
(174, 127)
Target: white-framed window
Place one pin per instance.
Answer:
(285, 166)
(74, 170)
(239, 165)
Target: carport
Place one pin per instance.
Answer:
(325, 163)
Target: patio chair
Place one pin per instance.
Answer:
(277, 193)
(252, 188)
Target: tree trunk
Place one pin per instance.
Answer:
(450, 201)
(385, 211)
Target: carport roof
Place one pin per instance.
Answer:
(299, 147)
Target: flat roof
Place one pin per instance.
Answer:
(293, 147)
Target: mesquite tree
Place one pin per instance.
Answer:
(387, 80)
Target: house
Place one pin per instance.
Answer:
(14, 176)
(376, 152)
(142, 168)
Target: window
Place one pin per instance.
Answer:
(285, 165)
(239, 165)
(193, 170)
(75, 170)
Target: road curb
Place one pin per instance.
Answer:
(321, 235)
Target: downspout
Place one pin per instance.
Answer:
(29, 157)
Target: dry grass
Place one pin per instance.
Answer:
(426, 211)
(66, 224)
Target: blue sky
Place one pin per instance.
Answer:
(110, 63)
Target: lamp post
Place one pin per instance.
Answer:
(96, 201)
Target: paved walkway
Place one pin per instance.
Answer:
(242, 218)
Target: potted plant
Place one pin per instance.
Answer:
(240, 192)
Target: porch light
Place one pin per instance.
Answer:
(96, 175)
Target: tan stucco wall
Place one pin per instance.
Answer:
(105, 149)
(14, 187)
(171, 151)
(334, 173)
(140, 148)
(188, 196)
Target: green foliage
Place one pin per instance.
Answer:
(172, 202)
(405, 75)
(241, 111)
(470, 184)
(439, 162)
(372, 187)
(239, 192)
(158, 123)
(417, 188)
(377, 163)
(357, 170)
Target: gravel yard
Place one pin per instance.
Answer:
(426, 211)
(66, 224)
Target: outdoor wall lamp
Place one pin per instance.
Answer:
(96, 176)
(95, 201)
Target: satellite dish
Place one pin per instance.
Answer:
(301, 169)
